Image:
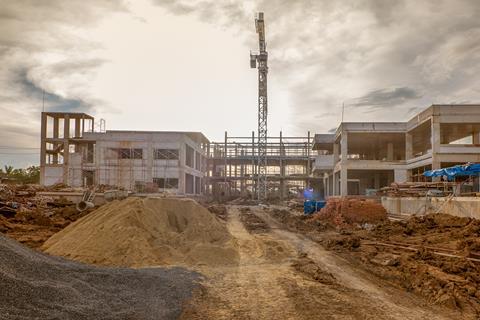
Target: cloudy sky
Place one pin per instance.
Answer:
(184, 65)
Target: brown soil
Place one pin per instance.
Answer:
(284, 275)
(342, 211)
(146, 232)
(219, 210)
(253, 223)
(403, 253)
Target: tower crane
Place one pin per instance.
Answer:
(260, 60)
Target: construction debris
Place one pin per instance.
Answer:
(144, 232)
(38, 286)
(30, 218)
(418, 189)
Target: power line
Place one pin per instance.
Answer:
(20, 153)
(19, 148)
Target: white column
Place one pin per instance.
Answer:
(408, 146)
(435, 140)
(343, 181)
(343, 164)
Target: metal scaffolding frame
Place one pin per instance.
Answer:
(232, 166)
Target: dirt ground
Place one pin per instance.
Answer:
(286, 275)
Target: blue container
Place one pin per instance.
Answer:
(309, 206)
(321, 204)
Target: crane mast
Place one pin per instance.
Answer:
(259, 60)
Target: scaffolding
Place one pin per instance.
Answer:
(232, 166)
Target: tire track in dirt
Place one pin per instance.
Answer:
(394, 303)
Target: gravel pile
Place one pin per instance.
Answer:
(37, 286)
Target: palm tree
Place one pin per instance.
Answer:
(8, 170)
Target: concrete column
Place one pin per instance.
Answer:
(66, 148)
(343, 164)
(435, 140)
(344, 146)
(408, 146)
(55, 136)
(390, 151)
(336, 152)
(400, 175)
(343, 181)
(43, 147)
(78, 129)
(335, 185)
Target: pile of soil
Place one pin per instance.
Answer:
(253, 223)
(38, 286)
(139, 232)
(348, 211)
(219, 210)
(297, 221)
(453, 281)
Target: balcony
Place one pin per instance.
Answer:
(323, 162)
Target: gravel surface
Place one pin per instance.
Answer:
(37, 286)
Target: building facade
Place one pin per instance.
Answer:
(365, 156)
(140, 161)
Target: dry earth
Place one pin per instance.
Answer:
(284, 275)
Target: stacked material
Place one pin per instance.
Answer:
(341, 211)
(416, 189)
(37, 286)
(146, 232)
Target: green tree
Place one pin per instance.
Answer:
(28, 175)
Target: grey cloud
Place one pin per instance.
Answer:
(389, 97)
(31, 29)
(53, 102)
(320, 48)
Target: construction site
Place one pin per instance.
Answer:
(374, 220)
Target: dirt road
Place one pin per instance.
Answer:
(283, 275)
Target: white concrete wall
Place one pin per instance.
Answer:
(125, 172)
(458, 206)
(53, 174)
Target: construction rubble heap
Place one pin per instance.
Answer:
(31, 218)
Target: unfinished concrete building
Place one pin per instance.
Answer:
(362, 157)
(140, 161)
(233, 163)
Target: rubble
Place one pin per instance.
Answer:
(30, 218)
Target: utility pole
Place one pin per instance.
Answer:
(259, 60)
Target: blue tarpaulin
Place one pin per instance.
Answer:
(469, 169)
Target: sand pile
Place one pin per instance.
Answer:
(38, 286)
(146, 232)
